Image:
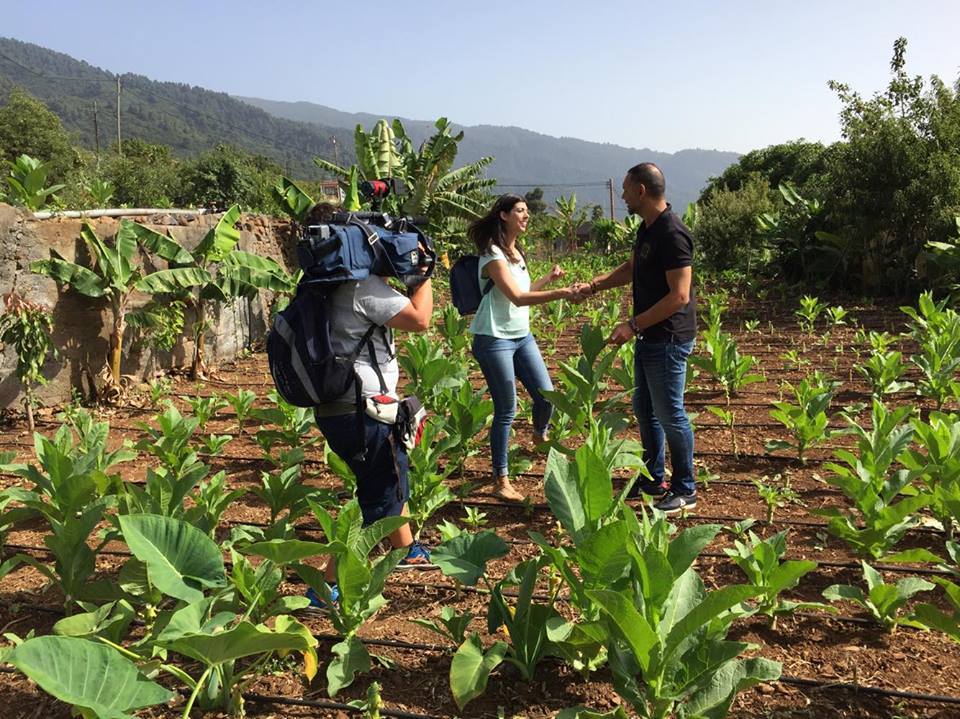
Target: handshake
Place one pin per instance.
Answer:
(579, 292)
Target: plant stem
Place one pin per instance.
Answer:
(195, 692)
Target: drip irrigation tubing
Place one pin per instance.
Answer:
(325, 704)
(882, 691)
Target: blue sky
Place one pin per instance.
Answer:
(732, 75)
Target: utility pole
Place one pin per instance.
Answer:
(119, 141)
(336, 153)
(610, 187)
(96, 131)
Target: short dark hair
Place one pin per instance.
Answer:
(650, 176)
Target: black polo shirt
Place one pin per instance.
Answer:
(666, 245)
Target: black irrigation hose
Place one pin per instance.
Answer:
(854, 687)
(323, 704)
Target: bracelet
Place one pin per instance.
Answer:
(593, 287)
(633, 326)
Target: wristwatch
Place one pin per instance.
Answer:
(633, 326)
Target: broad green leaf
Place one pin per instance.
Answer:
(180, 558)
(243, 640)
(687, 545)
(84, 281)
(170, 281)
(351, 659)
(221, 239)
(712, 606)
(632, 626)
(161, 245)
(465, 557)
(471, 668)
(714, 698)
(87, 674)
(287, 551)
(562, 492)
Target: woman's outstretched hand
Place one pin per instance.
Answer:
(556, 272)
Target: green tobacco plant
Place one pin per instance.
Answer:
(26, 327)
(72, 489)
(731, 369)
(762, 562)
(775, 495)
(466, 414)
(583, 381)
(526, 623)
(666, 634)
(876, 520)
(205, 408)
(807, 419)
(936, 329)
(285, 424)
(359, 579)
(114, 275)
(433, 375)
(883, 601)
(428, 493)
(283, 491)
(242, 404)
(26, 182)
(933, 617)
(810, 310)
(449, 624)
(453, 328)
(464, 557)
(883, 371)
(936, 461)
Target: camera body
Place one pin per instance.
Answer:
(355, 245)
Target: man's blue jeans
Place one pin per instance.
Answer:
(502, 361)
(660, 372)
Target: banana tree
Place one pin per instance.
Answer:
(228, 273)
(434, 189)
(114, 276)
(292, 199)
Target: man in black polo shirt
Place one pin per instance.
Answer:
(664, 324)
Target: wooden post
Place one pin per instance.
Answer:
(610, 187)
(119, 141)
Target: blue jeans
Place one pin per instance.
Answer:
(382, 475)
(502, 361)
(660, 372)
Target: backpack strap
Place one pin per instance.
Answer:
(373, 239)
(487, 287)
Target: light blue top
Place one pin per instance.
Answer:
(498, 316)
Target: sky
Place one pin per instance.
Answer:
(728, 75)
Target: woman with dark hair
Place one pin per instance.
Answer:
(502, 342)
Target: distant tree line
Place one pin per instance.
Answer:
(860, 213)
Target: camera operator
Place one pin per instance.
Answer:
(378, 458)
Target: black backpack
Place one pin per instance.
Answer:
(465, 285)
(305, 369)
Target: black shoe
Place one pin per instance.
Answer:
(673, 503)
(644, 487)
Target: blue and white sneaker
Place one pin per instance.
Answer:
(674, 502)
(418, 557)
(318, 604)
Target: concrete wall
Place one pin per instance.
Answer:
(82, 325)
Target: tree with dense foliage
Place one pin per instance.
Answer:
(225, 176)
(145, 175)
(27, 127)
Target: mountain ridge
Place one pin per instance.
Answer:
(191, 119)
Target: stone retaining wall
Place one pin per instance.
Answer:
(82, 325)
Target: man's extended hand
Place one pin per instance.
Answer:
(621, 334)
